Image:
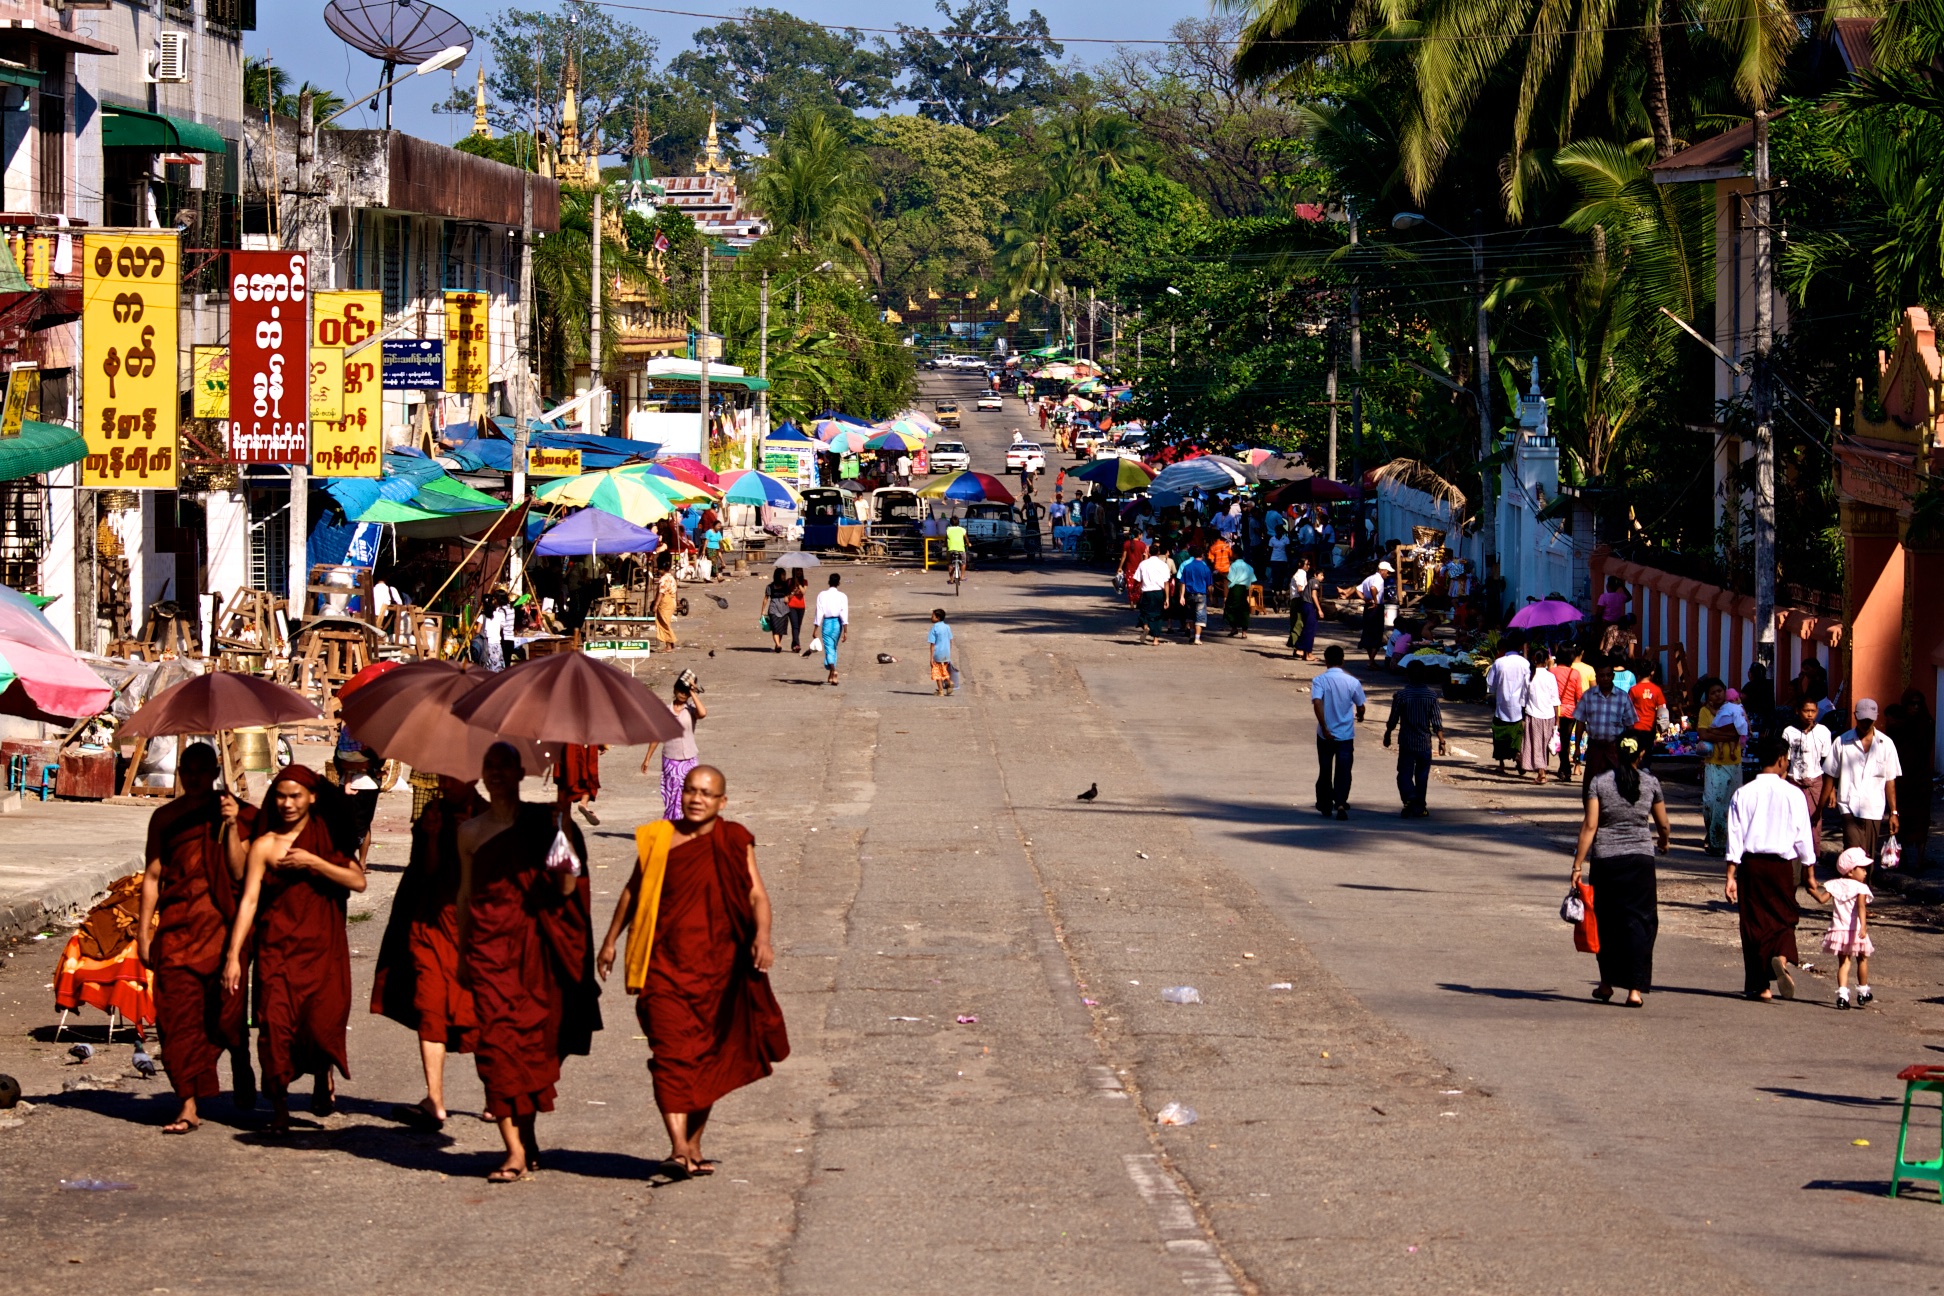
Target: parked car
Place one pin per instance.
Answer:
(991, 529)
(1025, 455)
(947, 413)
(949, 456)
(991, 401)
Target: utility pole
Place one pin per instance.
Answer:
(523, 402)
(598, 403)
(1487, 477)
(299, 516)
(1764, 406)
(1093, 335)
(762, 355)
(1356, 382)
(1330, 389)
(702, 350)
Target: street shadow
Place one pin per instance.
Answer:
(1864, 1187)
(811, 683)
(1697, 991)
(1510, 992)
(1828, 1099)
(1372, 886)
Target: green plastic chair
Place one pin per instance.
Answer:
(1917, 1079)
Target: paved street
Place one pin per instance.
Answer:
(1432, 1104)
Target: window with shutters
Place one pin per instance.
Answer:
(53, 153)
(23, 533)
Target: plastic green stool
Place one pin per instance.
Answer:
(1921, 1078)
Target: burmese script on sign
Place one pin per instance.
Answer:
(465, 342)
(130, 284)
(351, 442)
(269, 358)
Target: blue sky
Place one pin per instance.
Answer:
(293, 33)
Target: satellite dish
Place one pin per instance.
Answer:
(395, 32)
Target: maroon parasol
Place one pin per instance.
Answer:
(216, 702)
(569, 697)
(406, 714)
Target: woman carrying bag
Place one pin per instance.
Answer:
(776, 606)
(1624, 828)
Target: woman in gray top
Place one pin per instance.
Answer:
(1624, 828)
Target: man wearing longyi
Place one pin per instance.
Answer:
(698, 959)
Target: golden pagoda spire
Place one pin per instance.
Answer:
(569, 122)
(480, 126)
(711, 163)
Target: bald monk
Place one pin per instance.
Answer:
(526, 952)
(188, 900)
(699, 955)
(417, 981)
(295, 885)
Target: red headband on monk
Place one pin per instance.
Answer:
(302, 775)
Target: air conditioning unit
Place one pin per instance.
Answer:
(172, 58)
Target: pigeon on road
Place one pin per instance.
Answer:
(1093, 790)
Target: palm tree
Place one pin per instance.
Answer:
(812, 189)
(1090, 147)
(562, 267)
(1029, 257)
(264, 83)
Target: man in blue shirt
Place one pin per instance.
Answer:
(1338, 700)
(940, 639)
(1195, 577)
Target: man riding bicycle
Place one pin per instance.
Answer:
(955, 549)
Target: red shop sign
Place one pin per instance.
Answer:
(269, 358)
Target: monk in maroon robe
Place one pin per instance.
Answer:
(294, 889)
(698, 962)
(417, 981)
(188, 900)
(579, 777)
(526, 952)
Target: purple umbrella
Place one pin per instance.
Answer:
(1546, 612)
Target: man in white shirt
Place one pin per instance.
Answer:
(1153, 575)
(1768, 838)
(1810, 748)
(833, 623)
(1861, 780)
(1338, 701)
(1371, 590)
(1506, 681)
(904, 470)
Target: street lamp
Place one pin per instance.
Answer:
(1487, 512)
(450, 56)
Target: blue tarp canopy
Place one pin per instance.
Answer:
(470, 452)
(851, 419)
(791, 432)
(592, 531)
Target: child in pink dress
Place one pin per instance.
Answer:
(1849, 936)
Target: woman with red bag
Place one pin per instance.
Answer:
(1624, 828)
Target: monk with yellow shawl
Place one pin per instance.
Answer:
(698, 960)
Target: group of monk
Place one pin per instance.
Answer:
(489, 949)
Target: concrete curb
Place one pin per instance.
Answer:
(30, 911)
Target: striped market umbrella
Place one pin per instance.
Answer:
(1118, 474)
(847, 440)
(640, 498)
(749, 486)
(689, 472)
(896, 440)
(969, 488)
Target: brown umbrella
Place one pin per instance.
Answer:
(406, 715)
(569, 697)
(216, 702)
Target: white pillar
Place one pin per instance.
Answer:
(227, 520)
(57, 560)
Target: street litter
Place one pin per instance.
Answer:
(1281, 985)
(965, 1020)
(904, 1019)
(1175, 1114)
(1181, 995)
(1451, 1093)
(1859, 1142)
(95, 1185)
(87, 1081)
(1091, 1003)
(1246, 954)
(1141, 854)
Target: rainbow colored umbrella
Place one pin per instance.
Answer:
(847, 440)
(670, 483)
(685, 472)
(970, 488)
(748, 486)
(895, 440)
(1118, 474)
(914, 427)
(640, 498)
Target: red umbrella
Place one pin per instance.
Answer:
(365, 677)
(569, 698)
(406, 715)
(216, 702)
(1309, 490)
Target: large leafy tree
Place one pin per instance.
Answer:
(942, 191)
(614, 65)
(813, 189)
(982, 66)
(762, 68)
